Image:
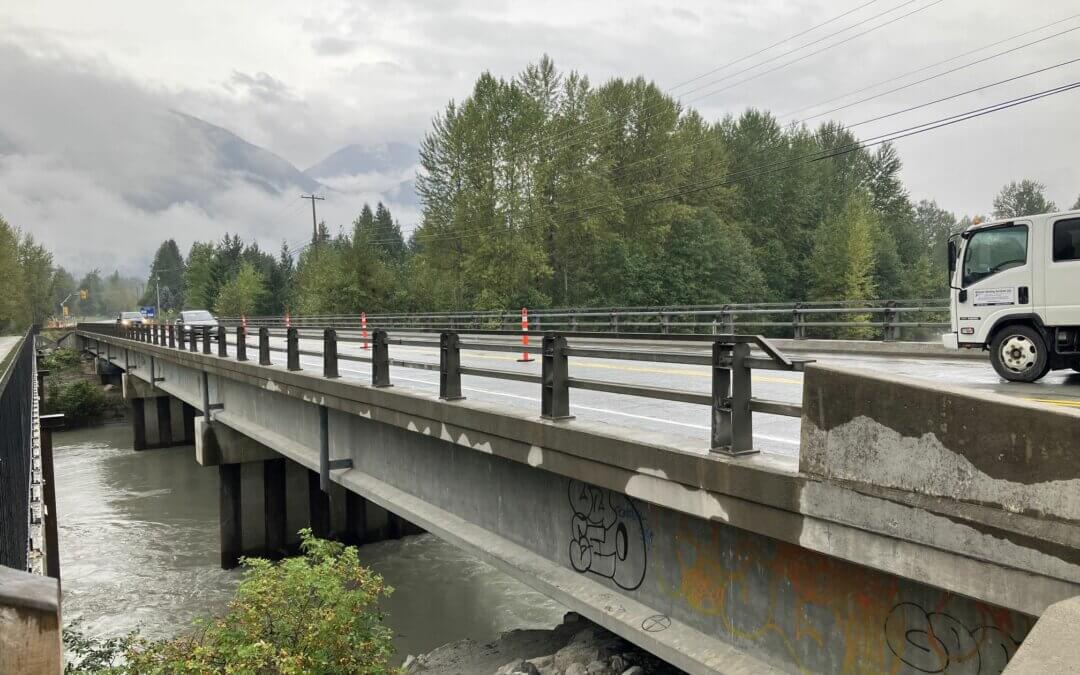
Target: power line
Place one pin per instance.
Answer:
(941, 74)
(581, 136)
(928, 67)
(775, 44)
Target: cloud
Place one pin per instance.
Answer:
(329, 45)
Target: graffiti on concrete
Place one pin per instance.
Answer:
(822, 614)
(607, 535)
(936, 642)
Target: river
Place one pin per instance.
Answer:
(139, 550)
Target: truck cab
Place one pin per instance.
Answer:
(1015, 291)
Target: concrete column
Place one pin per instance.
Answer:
(189, 424)
(138, 423)
(229, 515)
(318, 507)
(274, 507)
(164, 421)
(356, 515)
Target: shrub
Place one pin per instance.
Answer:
(61, 359)
(317, 613)
(79, 401)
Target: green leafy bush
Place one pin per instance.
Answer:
(61, 359)
(317, 613)
(79, 401)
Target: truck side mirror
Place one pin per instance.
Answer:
(952, 257)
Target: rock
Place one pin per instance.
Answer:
(411, 665)
(598, 668)
(575, 669)
(634, 670)
(618, 663)
(526, 668)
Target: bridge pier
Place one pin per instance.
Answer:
(158, 420)
(265, 499)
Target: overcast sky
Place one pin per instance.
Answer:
(83, 83)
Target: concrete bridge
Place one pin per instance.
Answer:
(911, 527)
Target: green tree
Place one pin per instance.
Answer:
(37, 277)
(241, 295)
(842, 262)
(167, 271)
(1025, 198)
(64, 290)
(93, 305)
(13, 311)
(199, 284)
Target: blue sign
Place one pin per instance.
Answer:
(148, 312)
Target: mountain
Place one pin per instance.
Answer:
(233, 157)
(353, 160)
(387, 170)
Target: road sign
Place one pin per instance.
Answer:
(147, 312)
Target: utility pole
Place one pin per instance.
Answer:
(314, 222)
(157, 284)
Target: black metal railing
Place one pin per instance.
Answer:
(16, 453)
(731, 358)
(867, 319)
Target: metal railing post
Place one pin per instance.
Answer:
(222, 342)
(665, 322)
(555, 393)
(206, 340)
(172, 336)
(264, 346)
(292, 349)
(721, 397)
(450, 367)
(742, 419)
(380, 359)
(241, 343)
(329, 353)
(732, 420)
(889, 330)
(727, 321)
(798, 330)
(614, 322)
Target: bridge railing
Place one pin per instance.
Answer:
(17, 453)
(869, 319)
(730, 357)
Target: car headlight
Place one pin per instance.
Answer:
(187, 326)
(125, 322)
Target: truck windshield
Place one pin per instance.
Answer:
(994, 250)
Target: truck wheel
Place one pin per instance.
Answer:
(1019, 354)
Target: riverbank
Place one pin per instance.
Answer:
(577, 646)
(73, 388)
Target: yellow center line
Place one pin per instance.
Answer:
(628, 369)
(1068, 403)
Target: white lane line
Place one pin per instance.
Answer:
(605, 411)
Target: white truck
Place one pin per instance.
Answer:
(1015, 290)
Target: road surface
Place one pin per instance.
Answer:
(772, 434)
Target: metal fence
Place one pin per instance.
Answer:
(729, 356)
(16, 453)
(876, 319)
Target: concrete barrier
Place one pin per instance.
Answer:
(942, 441)
(1053, 645)
(29, 623)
